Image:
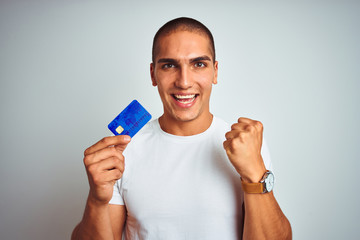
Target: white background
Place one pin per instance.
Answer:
(67, 68)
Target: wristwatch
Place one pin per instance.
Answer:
(265, 185)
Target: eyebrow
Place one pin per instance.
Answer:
(166, 60)
(202, 58)
(197, 59)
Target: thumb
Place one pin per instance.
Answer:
(126, 140)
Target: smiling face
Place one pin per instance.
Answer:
(184, 72)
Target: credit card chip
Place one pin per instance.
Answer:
(119, 129)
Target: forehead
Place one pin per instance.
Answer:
(184, 44)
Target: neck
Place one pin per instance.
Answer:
(185, 128)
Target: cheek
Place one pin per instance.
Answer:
(205, 84)
(162, 86)
(205, 78)
(162, 89)
(164, 80)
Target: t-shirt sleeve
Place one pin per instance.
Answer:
(266, 156)
(117, 197)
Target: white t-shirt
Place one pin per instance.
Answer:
(181, 187)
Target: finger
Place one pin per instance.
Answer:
(248, 126)
(259, 126)
(112, 175)
(232, 134)
(98, 170)
(108, 141)
(245, 120)
(239, 126)
(226, 144)
(121, 147)
(101, 155)
(112, 163)
(250, 121)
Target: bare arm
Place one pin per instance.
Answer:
(104, 165)
(101, 222)
(118, 219)
(263, 216)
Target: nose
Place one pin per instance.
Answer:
(184, 78)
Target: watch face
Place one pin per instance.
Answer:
(269, 182)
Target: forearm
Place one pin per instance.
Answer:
(264, 218)
(96, 223)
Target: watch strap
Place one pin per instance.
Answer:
(252, 187)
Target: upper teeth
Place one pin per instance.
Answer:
(184, 96)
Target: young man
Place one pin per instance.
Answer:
(188, 174)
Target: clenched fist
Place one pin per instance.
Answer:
(104, 163)
(243, 147)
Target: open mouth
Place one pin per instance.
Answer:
(184, 99)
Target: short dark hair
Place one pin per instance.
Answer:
(183, 24)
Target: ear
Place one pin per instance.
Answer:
(216, 72)
(152, 74)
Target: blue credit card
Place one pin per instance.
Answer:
(130, 120)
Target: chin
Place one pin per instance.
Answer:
(185, 117)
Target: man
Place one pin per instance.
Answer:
(188, 174)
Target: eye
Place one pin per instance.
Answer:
(200, 65)
(168, 65)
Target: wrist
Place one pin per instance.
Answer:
(265, 185)
(253, 176)
(96, 203)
